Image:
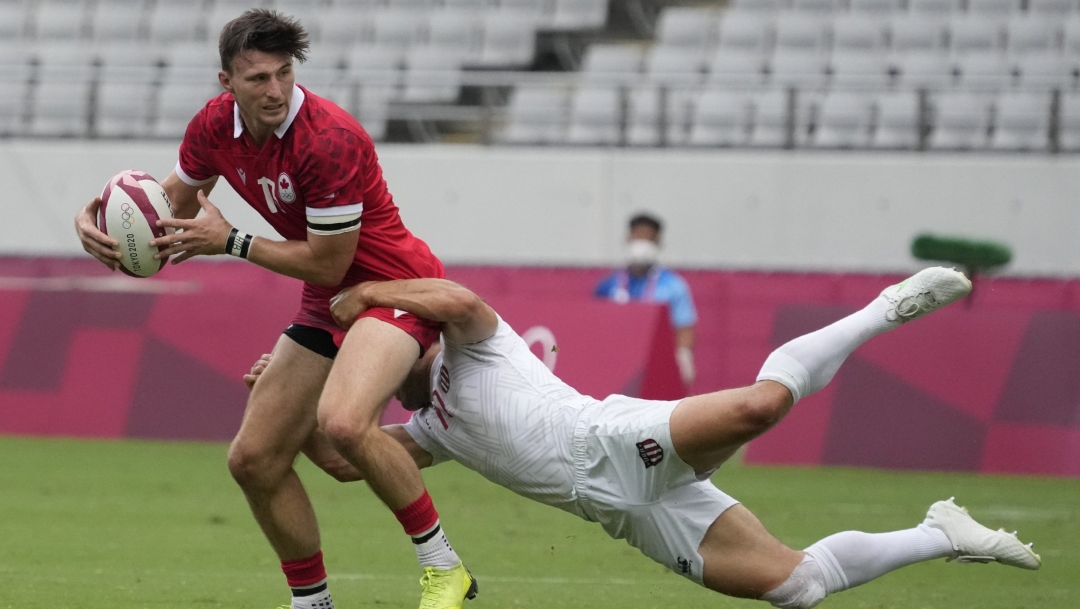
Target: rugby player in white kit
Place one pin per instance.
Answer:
(641, 468)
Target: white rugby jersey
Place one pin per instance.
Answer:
(496, 409)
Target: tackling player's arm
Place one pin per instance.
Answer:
(465, 317)
(321, 259)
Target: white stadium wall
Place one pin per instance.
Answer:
(730, 209)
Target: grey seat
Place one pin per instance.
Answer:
(1022, 121)
(14, 100)
(193, 62)
(323, 70)
(759, 6)
(376, 71)
(397, 28)
(1071, 35)
(983, 73)
(924, 70)
(974, 34)
(538, 12)
(817, 7)
(60, 20)
(174, 22)
(431, 75)
(536, 115)
(731, 68)
(770, 120)
(801, 32)
(876, 7)
(475, 7)
(61, 109)
(579, 15)
(66, 61)
(844, 121)
(859, 70)
(688, 27)
(998, 8)
(509, 39)
(130, 62)
(340, 26)
(656, 116)
(115, 20)
(13, 19)
(676, 66)
(1057, 8)
(797, 68)
(858, 32)
(917, 33)
(1032, 34)
(594, 116)
(1069, 123)
(1043, 71)
(721, 118)
(123, 109)
(217, 17)
(746, 32)
(456, 32)
(897, 121)
(611, 63)
(939, 7)
(961, 121)
(177, 103)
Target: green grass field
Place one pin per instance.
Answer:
(136, 524)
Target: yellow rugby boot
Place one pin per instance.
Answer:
(447, 588)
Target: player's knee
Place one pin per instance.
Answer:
(803, 589)
(253, 467)
(342, 428)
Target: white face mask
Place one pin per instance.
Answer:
(642, 252)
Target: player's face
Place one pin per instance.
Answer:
(262, 85)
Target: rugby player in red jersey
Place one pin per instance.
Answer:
(311, 171)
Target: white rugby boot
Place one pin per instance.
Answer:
(972, 542)
(925, 291)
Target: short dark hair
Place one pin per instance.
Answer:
(259, 29)
(644, 219)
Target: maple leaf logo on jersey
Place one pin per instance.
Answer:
(285, 188)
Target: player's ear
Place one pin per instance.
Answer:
(225, 80)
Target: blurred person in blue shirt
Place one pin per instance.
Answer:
(645, 280)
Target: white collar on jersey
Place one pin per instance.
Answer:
(294, 109)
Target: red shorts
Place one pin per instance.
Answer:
(425, 331)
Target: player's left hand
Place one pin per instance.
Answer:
(348, 305)
(202, 236)
(256, 371)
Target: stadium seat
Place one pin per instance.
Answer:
(594, 117)
(759, 6)
(66, 61)
(720, 118)
(819, 7)
(858, 33)
(876, 7)
(13, 18)
(844, 121)
(431, 75)
(114, 20)
(538, 12)
(1032, 34)
(940, 7)
(1043, 72)
(509, 39)
(688, 28)
(859, 70)
(974, 34)
(924, 70)
(536, 115)
(177, 103)
(1057, 8)
(130, 62)
(123, 109)
(797, 68)
(579, 15)
(1071, 35)
(770, 122)
(807, 34)
(372, 111)
(192, 62)
(455, 32)
(897, 121)
(1022, 122)
(994, 7)
(61, 109)
(340, 26)
(416, 6)
(16, 62)
(60, 20)
(917, 33)
(174, 22)
(675, 66)
(217, 17)
(961, 121)
(730, 68)
(983, 73)
(13, 105)
(746, 32)
(375, 68)
(1069, 122)
(476, 7)
(611, 63)
(397, 28)
(644, 108)
(323, 69)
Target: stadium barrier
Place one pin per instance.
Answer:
(988, 386)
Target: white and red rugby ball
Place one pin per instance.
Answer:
(131, 205)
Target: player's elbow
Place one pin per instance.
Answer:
(463, 304)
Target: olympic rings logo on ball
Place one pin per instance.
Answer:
(126, 212)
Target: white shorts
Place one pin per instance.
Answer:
(630, 480)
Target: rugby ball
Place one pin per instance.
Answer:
(131, 205)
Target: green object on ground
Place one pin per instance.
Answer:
(126, 524)
(973, 255)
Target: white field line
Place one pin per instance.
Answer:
(121, 284)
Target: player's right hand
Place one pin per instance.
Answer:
(256, 371)
(96, 243)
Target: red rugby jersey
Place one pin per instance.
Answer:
(317, 173)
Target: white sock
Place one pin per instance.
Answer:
(807, 363)
(315, 596)
(853, 558)
(433, 549)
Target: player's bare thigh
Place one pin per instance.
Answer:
(743, 559)
(373, 361)
(706, 430)
(281, 410)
